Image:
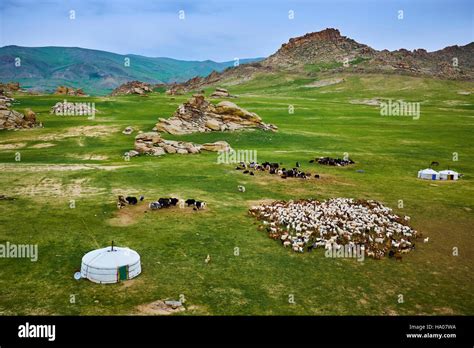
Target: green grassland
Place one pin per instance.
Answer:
(174, 243)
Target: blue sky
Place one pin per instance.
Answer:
(222, 30)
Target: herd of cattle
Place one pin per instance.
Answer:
(307, 224)
(161, 203)
(274, 168)
(328, 161)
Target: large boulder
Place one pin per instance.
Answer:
(152, 143)
(213, 124)
(199, 115)
(221, 93)
(133, 87)
(172, 126)
(231, 110)
(11, 119)
(217, 146)
(64, 90)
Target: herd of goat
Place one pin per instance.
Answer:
(161, 203)
(307, 224)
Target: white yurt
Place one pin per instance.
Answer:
(428, 174)
(448, 175)
(110, 265)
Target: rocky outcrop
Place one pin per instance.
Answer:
(328, 50)
(153, 144)
(133, 87)
(221, 93)
(11, 119)
(326, 46)
(199, 115)
(175, 90)
(63, 90)
(9, 87)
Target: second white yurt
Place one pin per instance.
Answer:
(428, 174)
(110, 265)
(448, 175)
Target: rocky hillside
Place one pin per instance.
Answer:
(329, 51)
(327, 46)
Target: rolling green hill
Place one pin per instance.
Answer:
(97, 72)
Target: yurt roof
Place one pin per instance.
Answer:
(448, 172)
(107, 258)
(429, 171)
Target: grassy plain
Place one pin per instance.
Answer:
(84, 163)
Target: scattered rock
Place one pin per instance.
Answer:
(217, 146)
(199, 115)
(133, 87)
(151, 143)
(9, 87)
(162, 307)
(63, 90)
(11, 119)
(221, 93)
(175, 90)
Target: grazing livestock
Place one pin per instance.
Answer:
(274, 168)
(426, 240)
(207, 259)
(190, 202)
(199, 205)
(131, 200)
(121, 202)
(241, 188)
(337, 223)
(328, 161)
(165, 202)
(154, 205)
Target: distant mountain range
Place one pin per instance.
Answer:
(99, 72)
(96, 72)
(327, 51)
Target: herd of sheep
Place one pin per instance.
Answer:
(335, 223)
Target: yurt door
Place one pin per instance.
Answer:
(433, 177)
(450, 177)
(123, 273)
